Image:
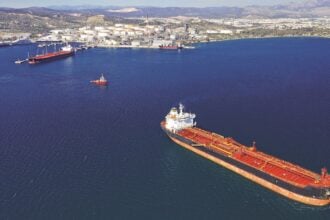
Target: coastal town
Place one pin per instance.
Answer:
(155, 32)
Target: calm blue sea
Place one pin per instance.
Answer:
(71, 150)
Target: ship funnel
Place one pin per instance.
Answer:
(324, 173)
(254, 147)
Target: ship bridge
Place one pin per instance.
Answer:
(177, 120)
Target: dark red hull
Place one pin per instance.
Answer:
(287, 179)
(50, 56)
(170, 47)
(100, 83)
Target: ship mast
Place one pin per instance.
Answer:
(181, 107)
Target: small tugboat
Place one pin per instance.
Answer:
(19, 61)
(100, 82)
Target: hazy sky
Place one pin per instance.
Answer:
(162, 3)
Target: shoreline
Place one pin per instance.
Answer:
(191, 45)
(210, 41)
(268, 37)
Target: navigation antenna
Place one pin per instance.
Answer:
(181, 107)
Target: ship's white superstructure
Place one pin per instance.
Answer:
(67, 48)
(177, 120)
(102, 78)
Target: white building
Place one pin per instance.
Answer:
(157, 43)
(49, 38)
(67, 38)
(226, 31)
(99, 28)
(89, 32)
(86, 37)
(135, 43)
(212, 31)
(111, 42)
(102, 34)
(130, 33)
(173, 37)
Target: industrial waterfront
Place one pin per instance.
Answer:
(154, 32)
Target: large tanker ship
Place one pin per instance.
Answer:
(285, 178)
(65, 51)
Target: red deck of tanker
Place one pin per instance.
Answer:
(50, 56)
(250, 156)
(54, 54)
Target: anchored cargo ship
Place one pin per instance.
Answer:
(65, 51)
(285, 178)
(171, 47)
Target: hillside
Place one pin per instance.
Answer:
(41, 20)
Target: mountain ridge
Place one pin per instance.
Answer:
(308, 9)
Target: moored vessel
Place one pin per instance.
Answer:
(282, 177)
(102, 81)
(23, 41)
(5, 44)
(171, 47)
(65, 51)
